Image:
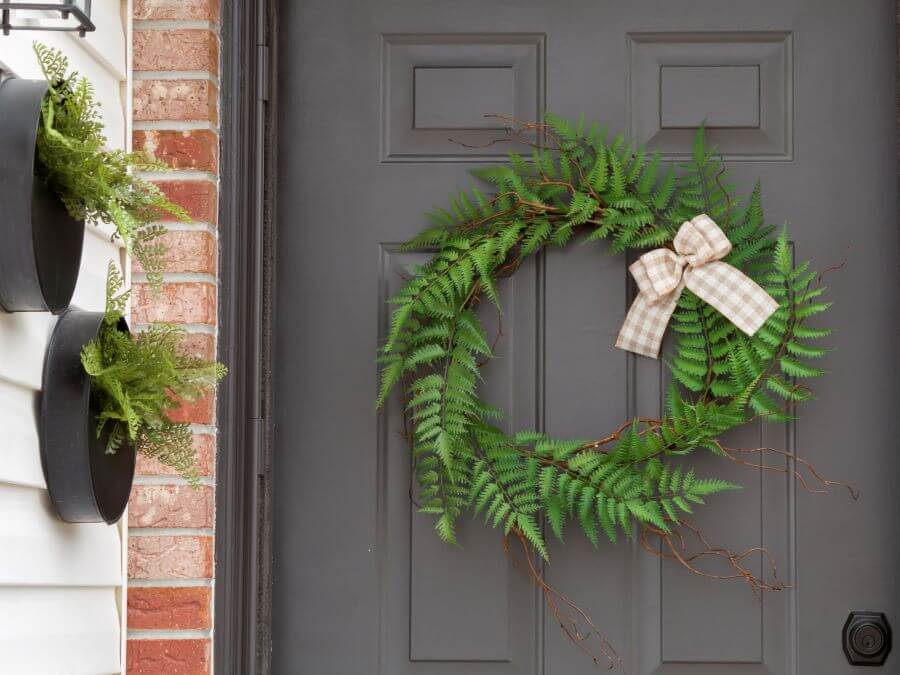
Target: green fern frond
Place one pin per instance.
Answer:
(93, 181)
(137, 381)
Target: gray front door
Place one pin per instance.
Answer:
(380, 118)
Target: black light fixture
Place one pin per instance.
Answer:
(57, 16)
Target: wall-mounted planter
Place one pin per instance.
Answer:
(86, 484)
(40, 243)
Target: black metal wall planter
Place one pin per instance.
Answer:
(40, 243)
(86, 484)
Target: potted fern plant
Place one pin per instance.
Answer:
(57, 172)
(107, 394)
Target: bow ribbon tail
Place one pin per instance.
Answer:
(737, 297)
(646, 321)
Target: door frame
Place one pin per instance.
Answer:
(248, 146)
(242, 535)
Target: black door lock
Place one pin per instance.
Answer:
(867, 638)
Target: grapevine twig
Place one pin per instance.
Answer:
(574, 622)
(674, 546)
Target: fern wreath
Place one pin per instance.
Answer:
(633, 481)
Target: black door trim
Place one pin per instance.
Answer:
(242, 580)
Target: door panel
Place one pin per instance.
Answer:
(425, 592)
(436, 85)
(741, 83)
(380, 118)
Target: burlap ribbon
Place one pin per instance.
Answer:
(696, 264)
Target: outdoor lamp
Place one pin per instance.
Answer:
(47, 15)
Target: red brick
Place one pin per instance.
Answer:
(176, 49)
(197, 149)
(199, 345)
(186, 251)
(200, 411)
(197, 197)
(168, 10)
(168, 557)
(156, 100)
(169, 608)
(170, 506)
(204, 444)
(182, 302)
(173, 657)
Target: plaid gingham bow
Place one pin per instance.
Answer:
(695, 263)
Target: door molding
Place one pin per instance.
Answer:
(242, 485)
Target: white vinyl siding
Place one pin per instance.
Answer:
(61, 585)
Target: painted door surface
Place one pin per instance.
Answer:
(380, 117)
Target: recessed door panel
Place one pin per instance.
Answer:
(428, 586)
(739, 83)
(438, 91)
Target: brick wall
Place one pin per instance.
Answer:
(171, 525)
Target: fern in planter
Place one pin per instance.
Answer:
(138, 380)
(94, 182)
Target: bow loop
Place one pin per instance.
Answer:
(695, 263)
(701, 241)
(657, 273)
